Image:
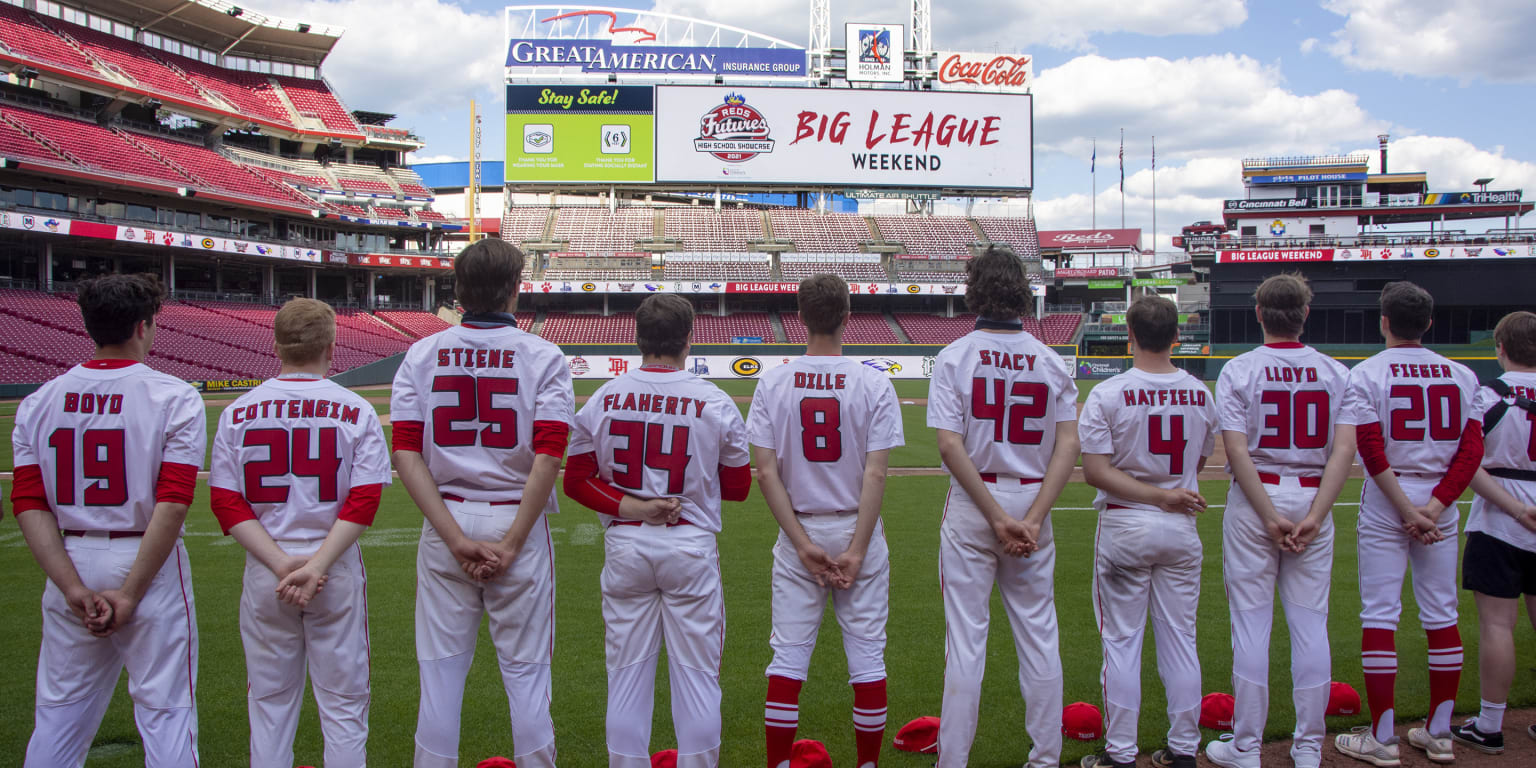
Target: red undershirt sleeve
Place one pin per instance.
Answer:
(1469, 455)
(735, 482)
(406, 436)
(229, 507)
(27, 490)
(362, 504)
(584, 486)
(176, 483)
(550, 438)
(1372, 447)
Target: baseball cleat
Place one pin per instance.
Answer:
(1438, 750)
(1103, 760)
(1361, 745)
(1468, 734)
(1225, 754)
(1165, 758)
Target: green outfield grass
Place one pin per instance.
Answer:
(915, 654)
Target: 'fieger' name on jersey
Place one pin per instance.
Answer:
(805, 380)
(1135, 397)
(296, 409)
(1421, 371)
(1013, 361)
(1285, 373)
(464, 357)
(646, 402)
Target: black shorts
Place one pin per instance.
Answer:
(1497, 568)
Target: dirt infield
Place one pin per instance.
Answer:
(1519, 748)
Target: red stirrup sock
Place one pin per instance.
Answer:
(780, 719)
(1444, 678)
(869, 721)
(1378, 660)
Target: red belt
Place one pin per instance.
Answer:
(1118, 506)
(453, 497)
(991, 477)
(680, 521)
(110, 534)
(1307, 481)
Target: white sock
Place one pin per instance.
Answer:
(1491, 718)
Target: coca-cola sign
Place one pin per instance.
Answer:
(1000, 73)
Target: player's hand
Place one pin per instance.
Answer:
(505, 555)
(92, 610)
(1527, 518)
(848, 565)
(1419, 524)
(122, 607)
(1181, 501)
(821, 565)
(472, 556)
(288, 565)
(300, 586)
(1280, 529)
(663, 511)
(1302, 535)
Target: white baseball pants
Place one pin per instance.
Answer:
(1386, 553)
(1148, 559)
(329, 637)
(1253, 566)
(971, 560)
(861, 610)
(661, 582)
(520, 605)
(77, 672)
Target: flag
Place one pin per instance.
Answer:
(1122, 162)
(1154, 153)
(1094, 158)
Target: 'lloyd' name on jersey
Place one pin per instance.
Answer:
(296, 409)
(1290, 374)
(92, 403)
(1420, 370)
(468, 357)
(820, 381)
(648, 403)
(1135, 397)
(1013, 361)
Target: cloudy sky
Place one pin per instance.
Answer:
(1213, 80)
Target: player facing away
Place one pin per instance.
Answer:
(1499, 564)
(1145, 435)
(821, 429)
(1005, 408)
(1277, 405)
(1409, 413)
(481, 413)
(107, 456)
(654, 452)
(299, 464)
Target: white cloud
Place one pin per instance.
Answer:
(416, 158)
(1488, 39)
(1453, 163)
(1309, 45)
(1186, 193)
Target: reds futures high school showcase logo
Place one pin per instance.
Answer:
(733, 132)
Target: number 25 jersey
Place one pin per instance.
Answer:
(1154, 427)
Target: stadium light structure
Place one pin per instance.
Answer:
(1482, 184)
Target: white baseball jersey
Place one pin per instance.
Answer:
(1285, 398)
(821, 415)
(477, 394)
(293, 449)
(1004, 393)
(1509, 443)
(1155, 427)
(1422, 401)
(100, 433)
(661, 433)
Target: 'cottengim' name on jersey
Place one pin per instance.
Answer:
(1134, 397)
(296, 409)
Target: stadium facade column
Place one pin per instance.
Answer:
(268, 281)
(45, 267)
(170, 272)
(218, 280)
(371, 286)
(314, 273)
(429, 295)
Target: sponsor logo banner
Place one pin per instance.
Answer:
(1277, 256)
(609, 57)
(1152, 282)
(740, 366)
(1305, 178)
(856, 138)
(580, 134)
(1095, 285)
(1076, 273)
(1100, 367)
(1472, 198)
(998, 73)
(1077, 239)
(1274, 204)
(1431, 252)
(876, 52)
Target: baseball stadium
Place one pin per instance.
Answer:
(647, 153)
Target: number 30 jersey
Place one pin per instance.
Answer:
(1155, 427)
(821, 415)
(1285, 397)
(1004, 393)
(296, 455)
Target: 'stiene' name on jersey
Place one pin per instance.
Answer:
(464, 357)
(1134, 397)
(1290, 374)
(1013, 361)
(804, 380)
(296, 409)
(90, 402)
(1421, 371)
(646, 402)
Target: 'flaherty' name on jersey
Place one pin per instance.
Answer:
(1421, 371)
(467, 357)
(1135, 397)
(1012, 361)
(1290, 374)
(649, 403)
(296, 409)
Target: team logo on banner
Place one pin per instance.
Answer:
(579, 366)
(208, 243)
(1277, 227)
(1430, 253)
(589, 287)
(914, 289)
(928, 364)
(734, 131)
(884, 365)
(746, 367)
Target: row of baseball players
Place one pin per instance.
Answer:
(483, 415)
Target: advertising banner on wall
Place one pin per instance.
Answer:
(862, 138)
(721, 286)
(876, 52)
(573, 133)
(993, 72)
(1269, 204)
(1505, 197)
(741, 366)
(167, 238)
(1377, 253)
(1081, 273)
(637, 56)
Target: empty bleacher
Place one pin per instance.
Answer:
(862, 328)
(583, 328)
(26, 37)
(853, 267)
(713, 329)
(740, 267)
(703, 229)
(417, 324)
(599, 231)
(313, 98)
(940, 236)
(931, 329)
(1017, 233)
(813, 232)
(523, 224)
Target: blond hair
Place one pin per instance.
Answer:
(304, 330)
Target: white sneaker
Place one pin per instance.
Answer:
(1361, 745)
(1223, 753)
(1437, 750)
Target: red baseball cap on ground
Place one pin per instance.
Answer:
(1082, 721)
(667, 758)
(1216, 711)
(809, 753)
(920, 735)
(1343, 699)
(496, 762)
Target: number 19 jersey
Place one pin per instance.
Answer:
(821, 415)
(1155, 427)
(1285, 398)
(1004, 393)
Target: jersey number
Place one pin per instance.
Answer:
(1170, 443)
(1530, 451)
(102, 459)
(1437, 404)
(476, 402)
(821, 421)
(643, 448)
(988, 402)
(283, 462)
(1300, 419)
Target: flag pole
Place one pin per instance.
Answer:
(1122, 178)
(1154, 194)
(1093, 173)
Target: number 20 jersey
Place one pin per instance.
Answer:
(1155, 427)
(1422, 401)
(1003, 393)
(821, 415)
(1285, 398)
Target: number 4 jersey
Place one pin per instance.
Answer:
(821, 415)
(297, 455)
(1155, 427)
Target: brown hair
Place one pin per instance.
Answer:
(1153, 322)
(487, 274)
(995, 285)
(113, 305)
(304, 330)
(662, 325)
(823, 302)
(1283, 301)
(1516, 333)
(1408, 309)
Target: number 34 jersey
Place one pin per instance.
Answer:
(1285, 398)
(1155, 427)
(1003, 393)
(821, 415)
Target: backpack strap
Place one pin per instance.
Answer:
(1494, 414)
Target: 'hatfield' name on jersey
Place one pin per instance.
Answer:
(645, 402)
(1135, 397)
(296, 409)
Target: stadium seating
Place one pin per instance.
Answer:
(131, 59)
(314, 98)
(581, 328)
(384, 212)
(932, 329)
(91, 145)
(713, 329)
(859, 267)
(704, 229)
(749, 267)
(219, 172)
(522, 224)
(915, 273)
(820, 232)
(367, 186)
(863, 328)
(14, 143)
(25, 36)
(941, 236)
(15, 369)
(418, 324)
(1017, 233)
(599, 231)
(423, 214)
(251, 93)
